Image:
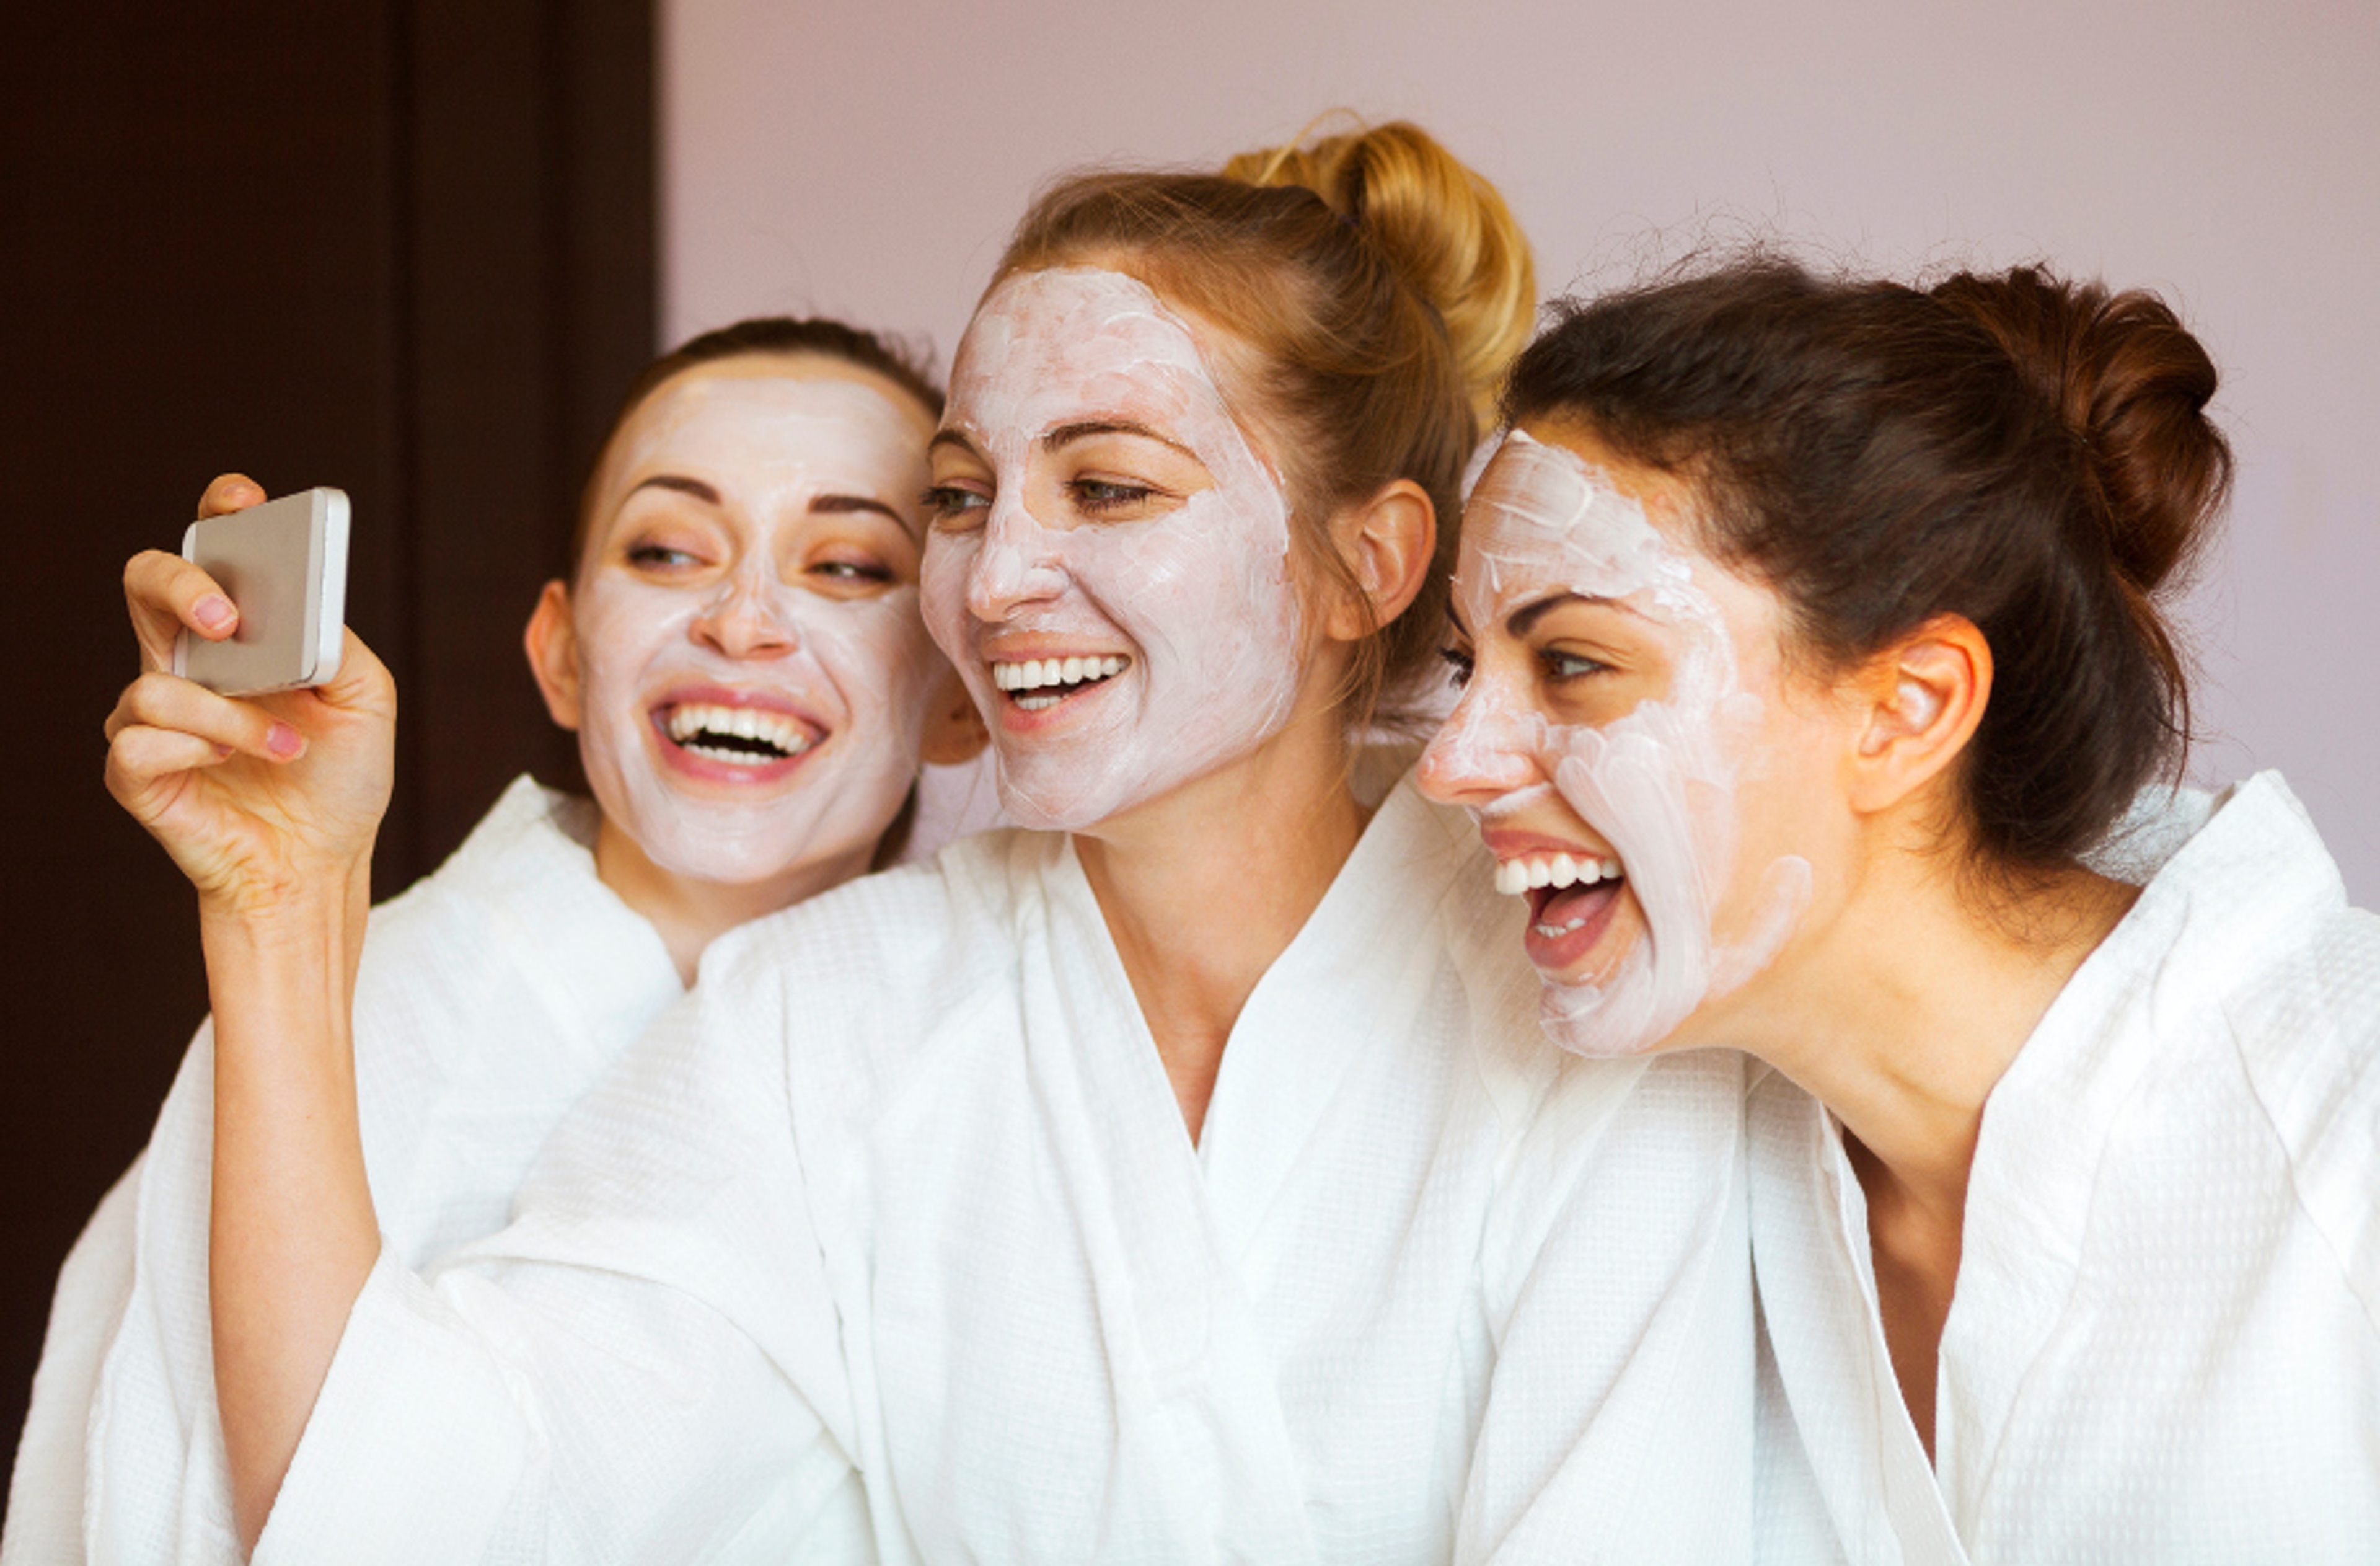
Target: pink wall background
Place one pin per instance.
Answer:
(868, 161)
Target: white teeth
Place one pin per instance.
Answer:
(1035, 673)
(1531, 871)
(698, 727)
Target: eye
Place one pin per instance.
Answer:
(853, 571)
(658, 557)
(1562, 666)
(1103, 497)
(1458, 665)
(952, 508)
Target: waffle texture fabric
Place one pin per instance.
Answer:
(489, 998)
(2164, 1343)
(888, 1243)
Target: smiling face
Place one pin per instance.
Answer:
(743, 659)
(1625, 740)
(1109, 564)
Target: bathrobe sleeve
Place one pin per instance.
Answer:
(491, 996)
(646, 1366)
(1619, 1416)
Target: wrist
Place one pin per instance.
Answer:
(305, 911)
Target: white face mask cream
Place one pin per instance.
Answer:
(1109, 566)
(753, 671)
(1608, 787)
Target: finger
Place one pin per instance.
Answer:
(166, 594)
(138, 759)
(230, 491)
(362, 683)
(166, 701)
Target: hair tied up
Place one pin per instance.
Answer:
(2132, 386)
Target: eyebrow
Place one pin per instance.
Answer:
(682, 484)
(828, 504)
(1522, 619)
(1068, 434)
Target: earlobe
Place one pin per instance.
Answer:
(552, 647)
(1387, 542)
(954, 730)
(1924, 698)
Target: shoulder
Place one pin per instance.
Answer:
(2307, 1035)
(887, 953)
(2299, 1011)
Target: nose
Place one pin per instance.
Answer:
(747, 618)
(1016, 563)
(1482, 753)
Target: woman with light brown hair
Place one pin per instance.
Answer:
(1185, 1179)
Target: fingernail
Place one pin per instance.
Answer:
(283, 741)
(223, 752)
(214, 612)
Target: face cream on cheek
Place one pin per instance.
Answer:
(845, 700)
(1659, 784)
(1198, 602)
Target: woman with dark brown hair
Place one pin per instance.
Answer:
(1183, 1180)
(1814, 660)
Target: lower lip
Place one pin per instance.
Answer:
(1026, 721)
(688, 763)
(1593, 906)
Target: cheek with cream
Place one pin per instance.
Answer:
(1115, 660)
(1625, 833)
(749, 727)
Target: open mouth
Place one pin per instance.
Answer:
(738, 736)
(1037, 683)
(1565, 891)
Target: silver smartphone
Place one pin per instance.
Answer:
(285, 566)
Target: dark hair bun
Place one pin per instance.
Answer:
(2132, 384)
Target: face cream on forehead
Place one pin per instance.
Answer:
(1116, 660)
(1657, 788)
(776, 425)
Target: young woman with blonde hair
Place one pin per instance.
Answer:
(1185, 1179)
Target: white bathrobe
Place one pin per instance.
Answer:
(891, 1242)
(2165, 1342)
(491, 996)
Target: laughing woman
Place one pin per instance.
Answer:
(1184, 1179)
(1815, 655)
(740, 651)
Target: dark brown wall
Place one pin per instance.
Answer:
(404, 246)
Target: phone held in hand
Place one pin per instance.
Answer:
(284, 564)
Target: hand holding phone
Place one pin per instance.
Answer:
(269, 791)
(283, 565)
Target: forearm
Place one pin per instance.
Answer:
(292, 1234)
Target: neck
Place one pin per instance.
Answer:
(1204, 888)
(689, 914)
(1904, 1012)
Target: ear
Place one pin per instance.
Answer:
(1387, 542)
(1922, 699)
(552, 645)
(954, 731)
